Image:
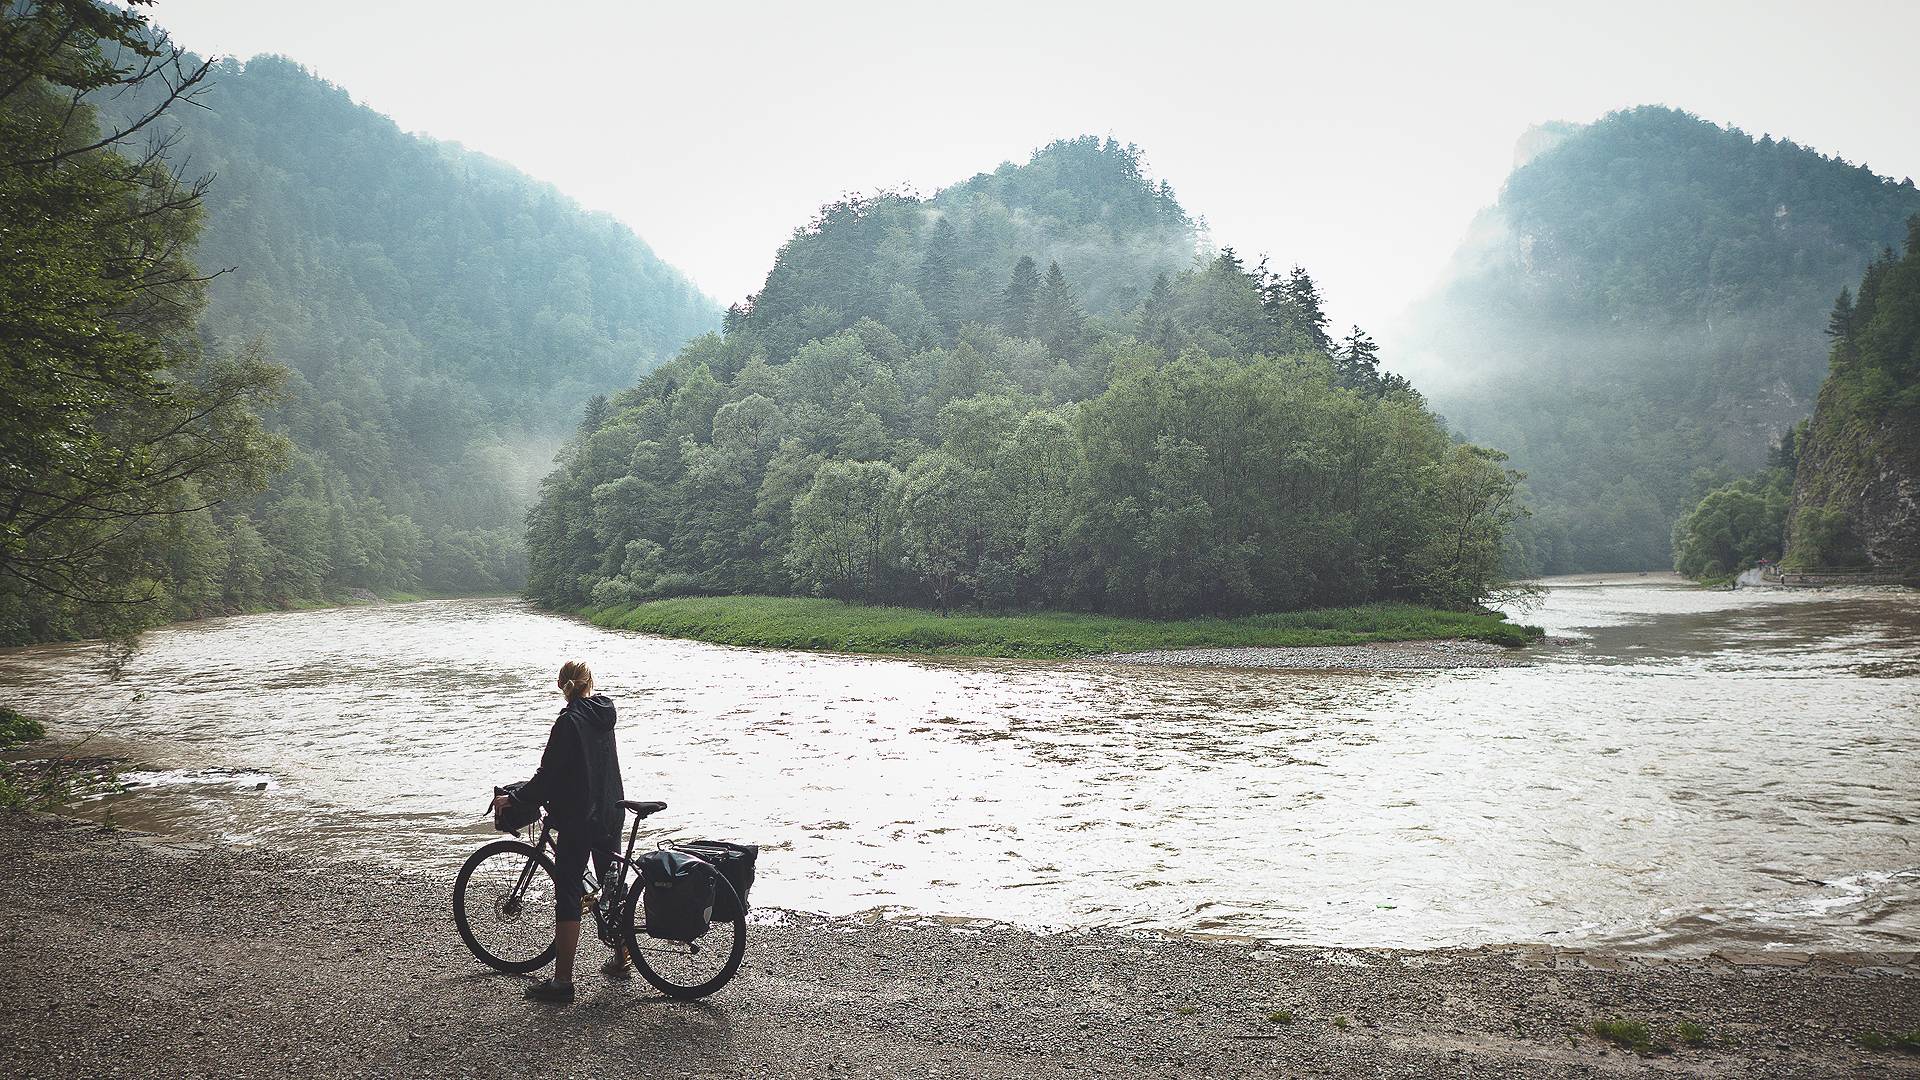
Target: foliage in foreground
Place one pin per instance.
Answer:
(15, 792)
(810, 623)
(16, 729)
(118, 431)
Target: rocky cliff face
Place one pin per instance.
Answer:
(1856, 493)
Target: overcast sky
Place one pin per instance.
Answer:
(1355, 139)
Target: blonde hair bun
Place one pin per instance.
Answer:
(576, 680)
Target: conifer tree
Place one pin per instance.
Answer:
(1357, 361)
(939, 284)
(1058, 319)
(1016, 303)
(1840, 323)
(1157, 327)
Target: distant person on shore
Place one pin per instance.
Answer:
(579, 783)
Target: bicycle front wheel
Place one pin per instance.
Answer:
(686, 969)
(503, 905)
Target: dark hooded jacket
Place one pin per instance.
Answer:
(579, 776)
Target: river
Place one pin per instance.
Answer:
(1683, 771)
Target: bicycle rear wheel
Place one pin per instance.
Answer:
(503, 905)
(685, 969)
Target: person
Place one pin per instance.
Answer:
(578, 781)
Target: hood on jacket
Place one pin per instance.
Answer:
(595, 711)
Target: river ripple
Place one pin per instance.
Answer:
(1688, 771)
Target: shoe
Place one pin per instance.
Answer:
(617, 969)
(549, 990)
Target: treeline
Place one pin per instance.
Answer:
(941, 435)
(1639, 319)
(438, 316)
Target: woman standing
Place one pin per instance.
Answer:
(579, 783)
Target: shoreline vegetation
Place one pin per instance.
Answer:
(823, 625)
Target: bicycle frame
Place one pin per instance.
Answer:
(619, 866)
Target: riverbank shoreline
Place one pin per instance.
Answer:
(1384, 656)
(136, 955)
(820, 625)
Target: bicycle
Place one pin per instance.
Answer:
(509, 885)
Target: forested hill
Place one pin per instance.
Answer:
(1640, 316)
(927, 267)
(445, 317)
(1029, 390)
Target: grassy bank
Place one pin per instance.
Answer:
(15, 729)
(798, 623)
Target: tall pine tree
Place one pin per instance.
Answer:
(1016, 303)
(1293, 305)
(1357, 361)
(1058, 319)
(939, 279)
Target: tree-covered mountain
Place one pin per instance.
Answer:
(1028, 390)
(439, 317)
(1639, 319)
(444, 317)
(1856, 492)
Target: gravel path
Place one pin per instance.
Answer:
(128, 956)
(1378, 656)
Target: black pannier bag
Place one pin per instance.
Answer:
(735, 863)
(677, 894)
(516, 816)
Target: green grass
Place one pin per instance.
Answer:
(1640, 1036)
(783, 622)
(15, 792)
(1908, 1041)
(1341, 1022)
(16, 729)
(1635, 1035)
(1280, 1016)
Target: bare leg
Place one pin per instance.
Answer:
(566, 944)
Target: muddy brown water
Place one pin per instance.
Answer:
(1687, 771)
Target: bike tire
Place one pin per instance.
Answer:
(461, 893)
(639, 944)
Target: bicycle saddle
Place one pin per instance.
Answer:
(643, 809)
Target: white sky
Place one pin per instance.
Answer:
(1355, 139)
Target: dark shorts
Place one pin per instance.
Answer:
(571, 848)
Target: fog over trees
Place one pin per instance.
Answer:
(414, 324)
(1639, 319)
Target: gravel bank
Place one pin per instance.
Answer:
(1379, 656)
(128, 956)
